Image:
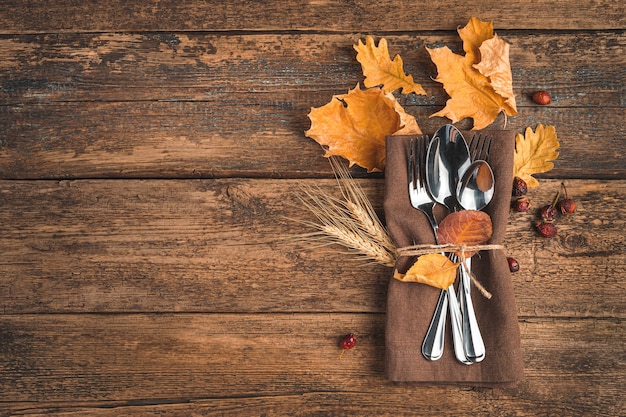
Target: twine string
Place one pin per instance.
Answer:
(460, 249)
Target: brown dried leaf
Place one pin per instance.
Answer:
(432, 269)
(379, 69)
(534, 152)
(465, 227)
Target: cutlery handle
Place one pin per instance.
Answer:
(457, 327)
(473, 344)
(432, 347)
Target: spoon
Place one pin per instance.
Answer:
(447, 159)
(474, 192)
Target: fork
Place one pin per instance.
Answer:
(432, 347)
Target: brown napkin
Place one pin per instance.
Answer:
(410, 305)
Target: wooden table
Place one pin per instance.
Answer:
(150, 158)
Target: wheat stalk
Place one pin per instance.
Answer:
(351, 222)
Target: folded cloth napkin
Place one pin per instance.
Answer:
(410, 306)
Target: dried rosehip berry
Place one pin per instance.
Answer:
(519, 187)
(513, 264)
(567, 205)
(546, 229)
(548, 213)
(348, 341)
(542, 98)
(521, 205)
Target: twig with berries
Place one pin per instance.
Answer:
(548, 213)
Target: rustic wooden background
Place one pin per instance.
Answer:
(150, 154)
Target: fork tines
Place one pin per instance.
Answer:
(417, 161)
(480, 146)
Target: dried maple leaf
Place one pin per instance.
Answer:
(465, 227)
(432, 269)
(355, 126)
(534, 152)
(477, 89)
(380, 70)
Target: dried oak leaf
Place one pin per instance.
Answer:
(478, 85)
(495, 65)
(380, 70)
(534, 152)
(465, 227)
(432, 269)
(355, 126)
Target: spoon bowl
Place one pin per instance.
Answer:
(447, 159)
(476, 187)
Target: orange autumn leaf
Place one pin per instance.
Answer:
(480, 87)
(534, 152)
(433, 269)
(465, 227)
(380, 70)
(355, 126)
(408, 123)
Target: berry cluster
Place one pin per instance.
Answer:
(546, 227)
(548, 213)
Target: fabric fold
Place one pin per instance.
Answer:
(410, 305)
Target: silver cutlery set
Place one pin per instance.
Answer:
(447, 170)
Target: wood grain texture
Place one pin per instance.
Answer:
(80, 108)
(201, 140)
(214, 246)
(119, 15)
(150, 154)
(110, 360)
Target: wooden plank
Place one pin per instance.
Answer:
(118, 15)
(227, 95)
(214, 246)
(207, 139)
(577, 68)
(282, 362)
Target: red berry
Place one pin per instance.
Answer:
(542, 98)
(548, 213)
(546, 229)
(521, 205)
(519, 187)
(513, 265)
(348, 341)
(567, 206)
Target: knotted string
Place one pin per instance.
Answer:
(460, 249)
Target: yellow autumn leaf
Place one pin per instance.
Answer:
(534, 152)
(495, 65)
(474, 34)
(380, 70)
(355, 126)
(433, 269)
(472, 93)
